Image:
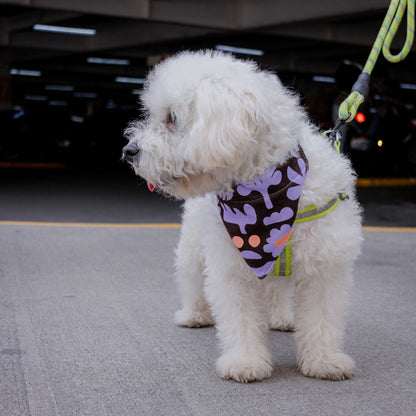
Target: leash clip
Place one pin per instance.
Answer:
(335, 136)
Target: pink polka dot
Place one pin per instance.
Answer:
(238, 241)
(254, 241)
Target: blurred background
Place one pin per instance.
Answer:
(71, 72)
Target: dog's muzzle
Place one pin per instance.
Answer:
(130, 151)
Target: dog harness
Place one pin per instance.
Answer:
(283, 263)
(260, 216)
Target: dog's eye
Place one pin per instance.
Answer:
(171, 119)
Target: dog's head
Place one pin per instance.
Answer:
(210, 120)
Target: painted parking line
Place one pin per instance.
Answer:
(391, 229)
(161, 225)
(385, 182)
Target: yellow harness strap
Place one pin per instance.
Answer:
(311, 212)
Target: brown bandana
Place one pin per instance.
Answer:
(260, 216)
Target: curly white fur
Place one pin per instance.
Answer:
(212, 120)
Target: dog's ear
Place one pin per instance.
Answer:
(227, 123)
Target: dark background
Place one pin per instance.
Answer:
(49, 118)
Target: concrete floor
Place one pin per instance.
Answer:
(86, 311)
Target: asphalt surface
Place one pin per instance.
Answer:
(86, 311)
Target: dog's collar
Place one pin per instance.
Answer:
(260, 216)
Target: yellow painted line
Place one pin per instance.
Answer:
(391, 229)
(92, 225)
(369, 182)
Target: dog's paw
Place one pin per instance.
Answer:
(337, 366)
(243, 368)
(192, 318)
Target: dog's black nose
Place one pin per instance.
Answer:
(130, 151)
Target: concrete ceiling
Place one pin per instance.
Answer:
(297, 36)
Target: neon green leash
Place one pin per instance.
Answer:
(348, 108)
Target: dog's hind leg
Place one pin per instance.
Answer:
(279, 297)
(189, 271)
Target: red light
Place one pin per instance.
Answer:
(360, 118)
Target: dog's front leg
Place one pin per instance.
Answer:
(239, 308)
(241, 318)
(320, 301)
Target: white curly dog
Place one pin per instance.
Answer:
(216, 127)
